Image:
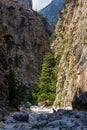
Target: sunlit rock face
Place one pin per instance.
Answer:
(70, 46)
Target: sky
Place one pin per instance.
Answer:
(39, 4)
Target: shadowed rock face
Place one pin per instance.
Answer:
(80, 102)
(25, 3)
(28, 42)
(23, 42)
(70, 46)
(3, 81)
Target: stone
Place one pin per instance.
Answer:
(2, 125)
(22, 108)
(40, 124)
(62, 120)
(9, 119)
(9, 126)
(43, 116)
(51, 128)
(53, 123)
(35, 129)
(28, 105)
(21, 116)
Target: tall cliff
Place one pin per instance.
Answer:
(23, 43)
(52, 10)
(70, 49)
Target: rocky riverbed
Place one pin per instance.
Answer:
(45, 119)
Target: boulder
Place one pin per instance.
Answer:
(40, 124)
(43, 103)
(21, 116)
(28, 105)
(43, 116)
(53, 123)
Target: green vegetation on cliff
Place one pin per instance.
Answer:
(47, 81)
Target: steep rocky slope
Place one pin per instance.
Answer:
(48, 25)
(23, 41)
(70, 49)
(52, 10)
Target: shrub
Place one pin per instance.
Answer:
(10, 41)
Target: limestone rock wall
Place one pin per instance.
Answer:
(70, 49)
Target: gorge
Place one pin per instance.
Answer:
(24, 43)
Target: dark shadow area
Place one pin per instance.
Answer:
(80, 100)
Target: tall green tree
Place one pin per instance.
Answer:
(47, 80)
(14, 87)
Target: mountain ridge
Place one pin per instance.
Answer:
(52, 10)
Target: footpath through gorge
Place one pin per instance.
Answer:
(38, 118)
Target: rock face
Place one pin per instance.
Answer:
(80, 102)
(23, 43)
(3, 81)
(52, 10)
(24, 39)
(24, 3)
(48, 25)
(70, 49)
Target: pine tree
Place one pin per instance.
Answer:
(47, 80)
